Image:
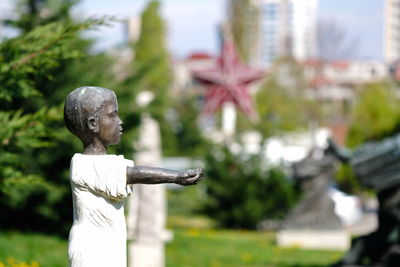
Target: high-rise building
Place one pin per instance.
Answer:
(132, 29)
(392, 30)
(287, 27)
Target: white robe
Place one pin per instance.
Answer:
(98, 234)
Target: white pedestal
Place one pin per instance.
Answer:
(310, 239)
(228, 119)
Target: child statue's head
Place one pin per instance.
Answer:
(92, 113)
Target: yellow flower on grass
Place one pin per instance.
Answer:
(247, 258)
(193, 232)
(215, 264)
(276, 250)
(13, 263)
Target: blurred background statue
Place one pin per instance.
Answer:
(313, 223)
(147, 207)
(315, 210)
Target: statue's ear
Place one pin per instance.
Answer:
(93, 124)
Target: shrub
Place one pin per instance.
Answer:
(241, 193)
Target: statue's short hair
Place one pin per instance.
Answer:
(83, 103)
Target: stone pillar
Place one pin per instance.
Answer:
(147, 208)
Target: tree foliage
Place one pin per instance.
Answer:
(152, 55)
(375, 115)
(28, 59)
(240, 193)
(150, 49)
(281, 101)
(35, 69)
(34, 13)
(189, 136)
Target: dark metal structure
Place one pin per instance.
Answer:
(377, 166)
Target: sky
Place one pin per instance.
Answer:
(192, 25)
(364, 21)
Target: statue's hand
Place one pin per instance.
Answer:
(190, 177)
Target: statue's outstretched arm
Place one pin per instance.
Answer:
(150, 175)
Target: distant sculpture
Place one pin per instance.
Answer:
(101, 183)
(147, 210)
(227, 86)
(228, 81)
(377, 166)
(315, 210)
(313, 223)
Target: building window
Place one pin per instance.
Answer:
(270, 11)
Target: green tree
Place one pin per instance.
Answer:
(281, 100)
(191, 140)
(33, 13)
(150, 50)
(27, 61)
(375, 115)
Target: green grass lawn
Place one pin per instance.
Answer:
(27, 247)
(199, 248)
(190, 248)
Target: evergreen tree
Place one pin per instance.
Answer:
(37, 69)
(33, 13)
(150, 49)
(25, 62)
(191, 143)
(151, 54)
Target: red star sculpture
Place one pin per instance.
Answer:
(228, 82)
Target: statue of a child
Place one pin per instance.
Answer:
(101, 183)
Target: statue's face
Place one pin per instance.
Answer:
(110, 124)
